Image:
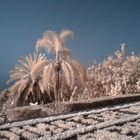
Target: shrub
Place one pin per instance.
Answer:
(114, 76)
(28, 87)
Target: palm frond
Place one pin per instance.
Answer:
(45, 43)
(28, 66)
(48, 76)
(52, 41)
(14, 88)
(65, 34)
(37, 70)
(58, 43)
(41, 86)
(80, 69)
(22, 86)
(28, 75)
(64, 53)
(69, 73)
(50, 35)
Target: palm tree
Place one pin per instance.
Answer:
(28, 87)
(63, 71)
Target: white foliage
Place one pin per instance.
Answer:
(115, 75)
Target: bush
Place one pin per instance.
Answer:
(114, 76)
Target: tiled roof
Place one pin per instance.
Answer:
(119, 122)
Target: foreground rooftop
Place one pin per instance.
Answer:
(114, 122)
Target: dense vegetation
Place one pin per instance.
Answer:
(116, 75)
(39, 80)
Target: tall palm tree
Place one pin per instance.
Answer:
(28, 76)
(63, 70)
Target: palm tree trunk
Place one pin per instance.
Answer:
(57, 98)
(57, 86)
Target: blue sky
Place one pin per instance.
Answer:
(99, 25)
